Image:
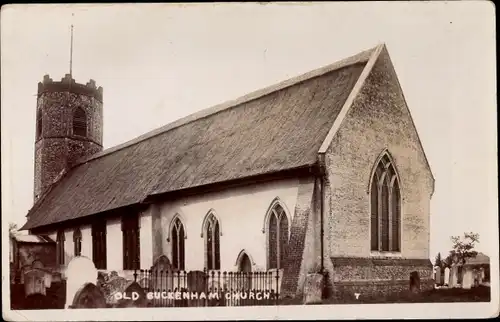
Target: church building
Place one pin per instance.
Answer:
(324, 172)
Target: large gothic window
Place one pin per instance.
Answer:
(131, 241)
(277, 234)
(177, 243)
(80, 122)
(60, 247)
(212, 242)
(385, 199)
(77, 242)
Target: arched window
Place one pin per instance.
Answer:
(60, 247)
(212, 242)
(385, 197)
(80, 122)
(77, 242)
(39, 124)
(277, 234)
(177, 243)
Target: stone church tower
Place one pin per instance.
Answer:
(69, 124)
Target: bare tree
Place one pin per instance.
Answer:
(463, 247)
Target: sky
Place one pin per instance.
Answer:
(160, 62)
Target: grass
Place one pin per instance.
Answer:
(477, 294)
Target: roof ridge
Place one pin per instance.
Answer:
(362, 56)
(132, 173)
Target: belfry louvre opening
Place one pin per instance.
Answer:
(80, 122)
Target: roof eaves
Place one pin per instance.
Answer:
(306, 168)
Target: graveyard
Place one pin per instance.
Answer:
(37, 286)
(83, 289)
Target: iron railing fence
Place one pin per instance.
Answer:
(168, 288)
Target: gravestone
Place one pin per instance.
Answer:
(475, 274)
(447, 276)
(89, 296)
(36, 301)
(114, 285)
(481, 276)
(453, 276)
(460, 274)
(56, 277)
(37, 264)
(48, 279)
(134, 296)
(162, 263)
(80, 271)
(34, 282)
(161, 274)
(414, 282)
(468, 278)
(313, 288)
(439, 275)
(197, 281)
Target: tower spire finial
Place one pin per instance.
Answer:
(71, 51)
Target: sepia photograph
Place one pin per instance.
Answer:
(261, 160)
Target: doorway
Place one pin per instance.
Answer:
(245, 264)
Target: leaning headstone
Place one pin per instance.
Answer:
(447, 276)
(89, 296)
(115, 286)
(80, 271)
